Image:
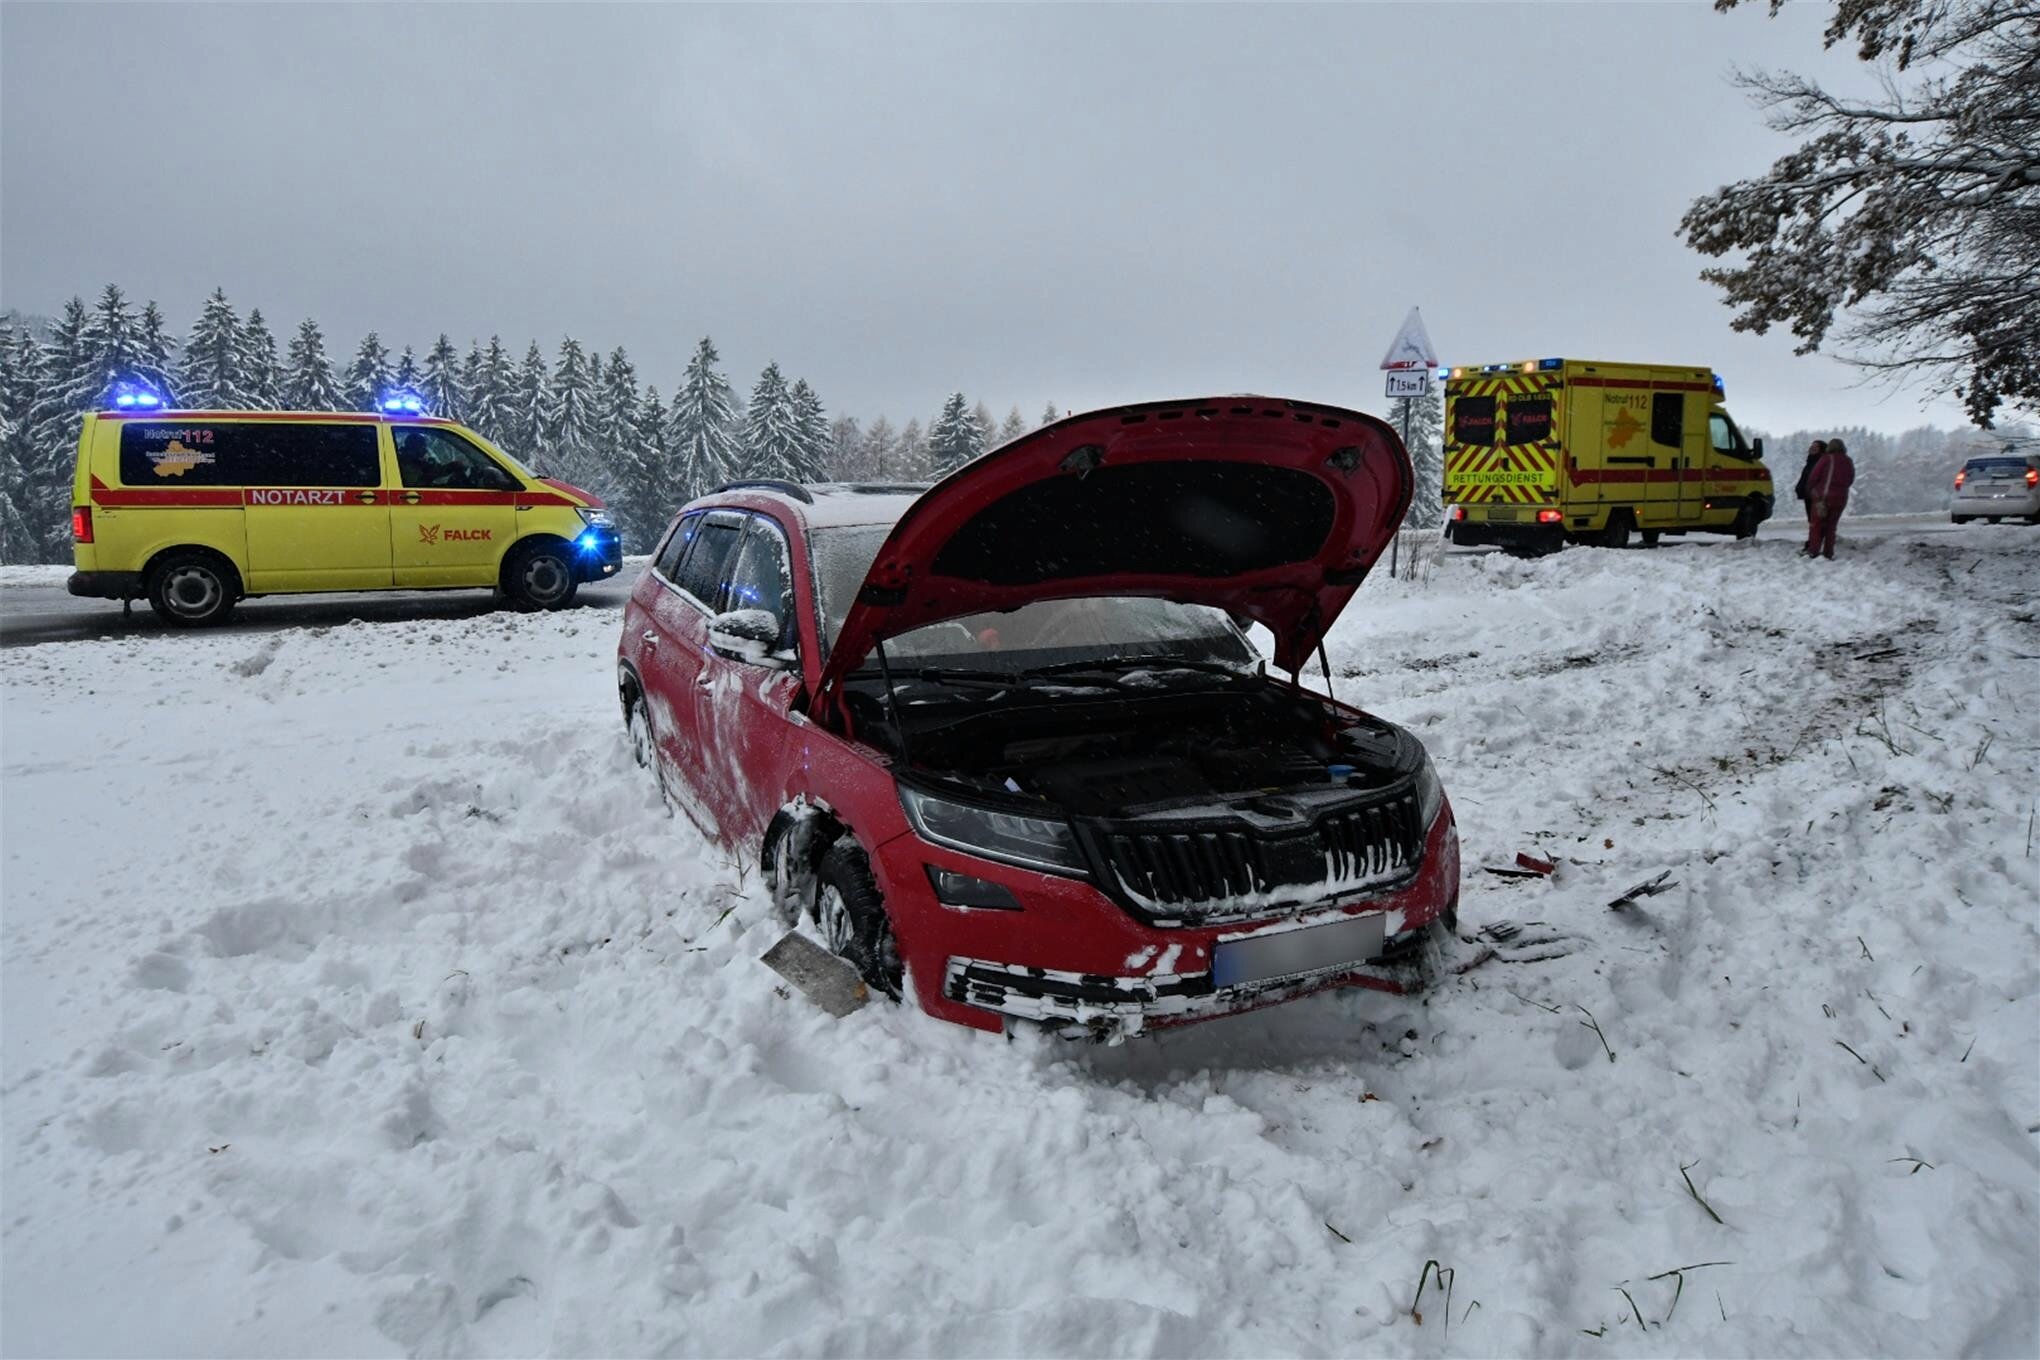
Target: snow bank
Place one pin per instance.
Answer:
(360, 998)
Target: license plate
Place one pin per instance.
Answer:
(1311, 949)
(1501, 514)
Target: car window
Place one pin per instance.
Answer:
(248, 453)
(1995, 467)
(1722, 434)
(760, 577)
(667, 564)
(708, 559)
(442, 460)
(1668, 419)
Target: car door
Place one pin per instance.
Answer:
(678, 624)
(748, 744)
(454, 511)
(643, 645)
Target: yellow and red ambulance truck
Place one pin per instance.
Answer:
(193, 510)
(1545, 452)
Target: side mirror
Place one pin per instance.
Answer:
(1757, 446)
(746, 635)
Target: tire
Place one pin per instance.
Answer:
(1746, 522)
(1616, 532)
(1958, 519)
(192, 588)
(637, 726)
(540, 576)
(1650, 538)
(1993, 519)
(851, 916)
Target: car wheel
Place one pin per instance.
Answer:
(541, 577)
(1993, 519)
(1958, 519)
(193, 589)
(1746, 522)
(637, 722)
(850, 913)
(1650, 538)
(1616, 534)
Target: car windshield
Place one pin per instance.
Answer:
(1060, 633)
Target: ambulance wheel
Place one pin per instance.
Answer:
(1616, 534)
(1746, 522)
(192, 588)
(1993, 519)
(852, 918)
(541, 577)
(1650, 538)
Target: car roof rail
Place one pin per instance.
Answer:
(779, 484)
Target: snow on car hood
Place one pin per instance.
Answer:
(1271, 509)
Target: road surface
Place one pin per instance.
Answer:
(36, 608)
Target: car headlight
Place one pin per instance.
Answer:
(1430, 795)
(596, 519)
(1031, 842)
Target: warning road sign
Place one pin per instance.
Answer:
(1412, 347)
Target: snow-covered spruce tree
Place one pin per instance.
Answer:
(810, 434)
(262, 375)
(987, 426)
(846, 438)
(530, 400)
(308, 383)
(153, 343)
(69, 382)
(702, 434)
(369, 376)
(405, 375)
(570, 418)
(1049, 415)
(1015, 426)
(113, 333)
(655, 511)
(1427, 452)
(913, 454)
(878, 454)
(1913, 207)
(439, 382)
(631, 469)
(491, 395)
(955, 438)
(213, 372)
(20, 372)
(770, 434)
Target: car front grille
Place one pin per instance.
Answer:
(1229, 873)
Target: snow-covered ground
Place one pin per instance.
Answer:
(359, 998)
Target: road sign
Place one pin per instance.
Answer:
(1409, 382)
(1412, 347)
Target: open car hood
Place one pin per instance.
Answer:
(1273, 510)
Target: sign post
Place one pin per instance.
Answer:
(1409, 364)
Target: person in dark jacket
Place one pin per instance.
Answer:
(1827, 495)
(1813, 453)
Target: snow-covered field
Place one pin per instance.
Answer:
(360, 998)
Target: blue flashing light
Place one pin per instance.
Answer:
(589, 541)
(1719, 390)
(1551, 363)
(403, 403)
(127, 396)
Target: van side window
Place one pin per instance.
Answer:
(760, 578)
(1473, 420)
(1667, 418)
(247, 453)
(441, 459)
(708, 559)
(675, 548)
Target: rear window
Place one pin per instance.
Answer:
(1996, 467)
(1473, 420)
(250, 453)
(1529, 422)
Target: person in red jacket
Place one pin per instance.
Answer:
(1827, 495)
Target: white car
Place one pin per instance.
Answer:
(1997, 487)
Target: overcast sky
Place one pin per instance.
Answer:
(1077, 205)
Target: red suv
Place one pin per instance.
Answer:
(1006, 741)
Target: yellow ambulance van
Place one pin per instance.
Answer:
(1546, 452)
(195, 510)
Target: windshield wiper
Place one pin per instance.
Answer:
(1117, 669)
